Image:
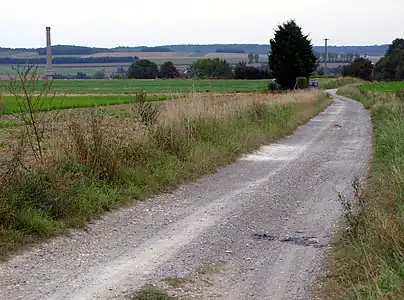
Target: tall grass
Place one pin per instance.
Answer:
(95, 161)
(370, 264)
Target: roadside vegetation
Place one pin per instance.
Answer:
(368, 259)
(65, 167)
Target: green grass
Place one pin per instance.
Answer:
(65, 102)
(370, 263)
(387, 87)
(153, 86)
(99, 172)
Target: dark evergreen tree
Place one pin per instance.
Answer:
(291, 55)
(168, 70)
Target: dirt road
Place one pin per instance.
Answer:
(265, 220)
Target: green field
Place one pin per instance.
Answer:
(64, 102)
(153, 86)
(383, 86)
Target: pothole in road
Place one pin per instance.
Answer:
(304, 241)
(263, 236)
(300, 241)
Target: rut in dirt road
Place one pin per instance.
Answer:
(267, 219)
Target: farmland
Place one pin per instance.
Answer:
(121, 87)
(169, 86)
(180, 59)
(65, 102)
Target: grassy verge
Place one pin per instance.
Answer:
(333, 83)
(96, 162)
(368, 260)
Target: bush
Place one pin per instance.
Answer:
(302, 83)
(273, 85)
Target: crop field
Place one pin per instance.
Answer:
(122, 87)
(64, 102)
(383, 86)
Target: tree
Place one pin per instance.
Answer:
(211, 68)
(143, 69)
(360, 68)
(291, 55)
(250, 57)
(391, 66)
(256, 58)
(168, 70)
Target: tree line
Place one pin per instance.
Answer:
(209, 68)
(388, 68)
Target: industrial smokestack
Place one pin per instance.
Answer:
(49, 71)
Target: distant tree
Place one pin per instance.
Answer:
(81, 75)
(121, 71)
(99, 75)
(320, 71)
(360, 68)
(291, 55)
(230, 50)
(250, 57)
(143, 69)
(156, 49)
(256, 58)
(211, 68)
(168, 70)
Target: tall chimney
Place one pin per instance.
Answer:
(48, 71)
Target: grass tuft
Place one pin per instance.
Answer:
(150, 292)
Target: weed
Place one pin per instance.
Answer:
(146, 111)
(354, 209)
(31, 101)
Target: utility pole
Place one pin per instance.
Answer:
(326, 57)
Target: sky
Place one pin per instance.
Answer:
(101, 23)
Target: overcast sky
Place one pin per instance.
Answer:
(110, 23)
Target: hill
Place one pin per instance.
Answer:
(64, 50)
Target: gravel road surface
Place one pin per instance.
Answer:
(264, 223)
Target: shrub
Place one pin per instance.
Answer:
(302, 83)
